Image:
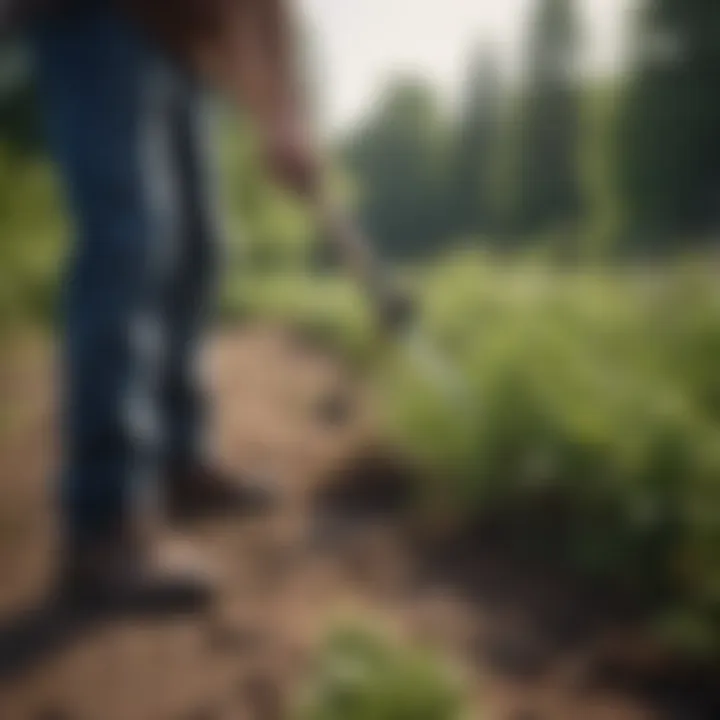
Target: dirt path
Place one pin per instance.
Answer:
(284, 579)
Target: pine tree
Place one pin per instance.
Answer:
(398, 158)
(668, 149)
(546, 184)
(475, 161)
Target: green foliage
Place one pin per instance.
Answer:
(400, 157)
(590, 385)
(31, 219)
(474, 161)
(327, 309)
(31, 238)
(598, 386)
(603, 222)
(363, 676)
(546, 185)
(269, 230)
(668, 149)
(19, 118)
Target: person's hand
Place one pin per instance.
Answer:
(291, 157)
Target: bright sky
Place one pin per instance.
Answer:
(362, 42)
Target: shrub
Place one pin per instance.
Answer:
(594, 386)
(363, 676)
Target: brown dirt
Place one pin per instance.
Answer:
(528, 642)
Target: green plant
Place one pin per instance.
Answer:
(594, 386)
(364, 676)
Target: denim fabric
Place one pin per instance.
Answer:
(130, 138)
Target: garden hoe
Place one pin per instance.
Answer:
(395, 311)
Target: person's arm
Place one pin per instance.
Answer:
(246, 48)
(252, 55)
(271, 89)
(270, 57)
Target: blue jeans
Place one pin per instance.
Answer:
(127, 130)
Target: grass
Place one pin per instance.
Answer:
(327, 309)
(362, 675)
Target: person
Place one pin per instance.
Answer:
(122, 87)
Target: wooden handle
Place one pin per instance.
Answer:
(354, 247)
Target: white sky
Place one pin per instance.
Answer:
(362, 42)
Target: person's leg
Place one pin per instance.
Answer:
(192, 291)
(196, 485)
(105, 99)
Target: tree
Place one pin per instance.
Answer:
(668, 142)
(399, 159)
(19, 123)
(475, 153)
(546, 186)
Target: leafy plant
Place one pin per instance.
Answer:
(364, 676)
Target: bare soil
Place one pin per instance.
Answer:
(531, 644)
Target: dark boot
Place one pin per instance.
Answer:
(128, 575)
(202, 491)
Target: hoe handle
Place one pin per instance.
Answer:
(357, 252)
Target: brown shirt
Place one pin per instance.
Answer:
(239, 45)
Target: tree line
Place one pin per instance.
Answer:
(630, 163)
